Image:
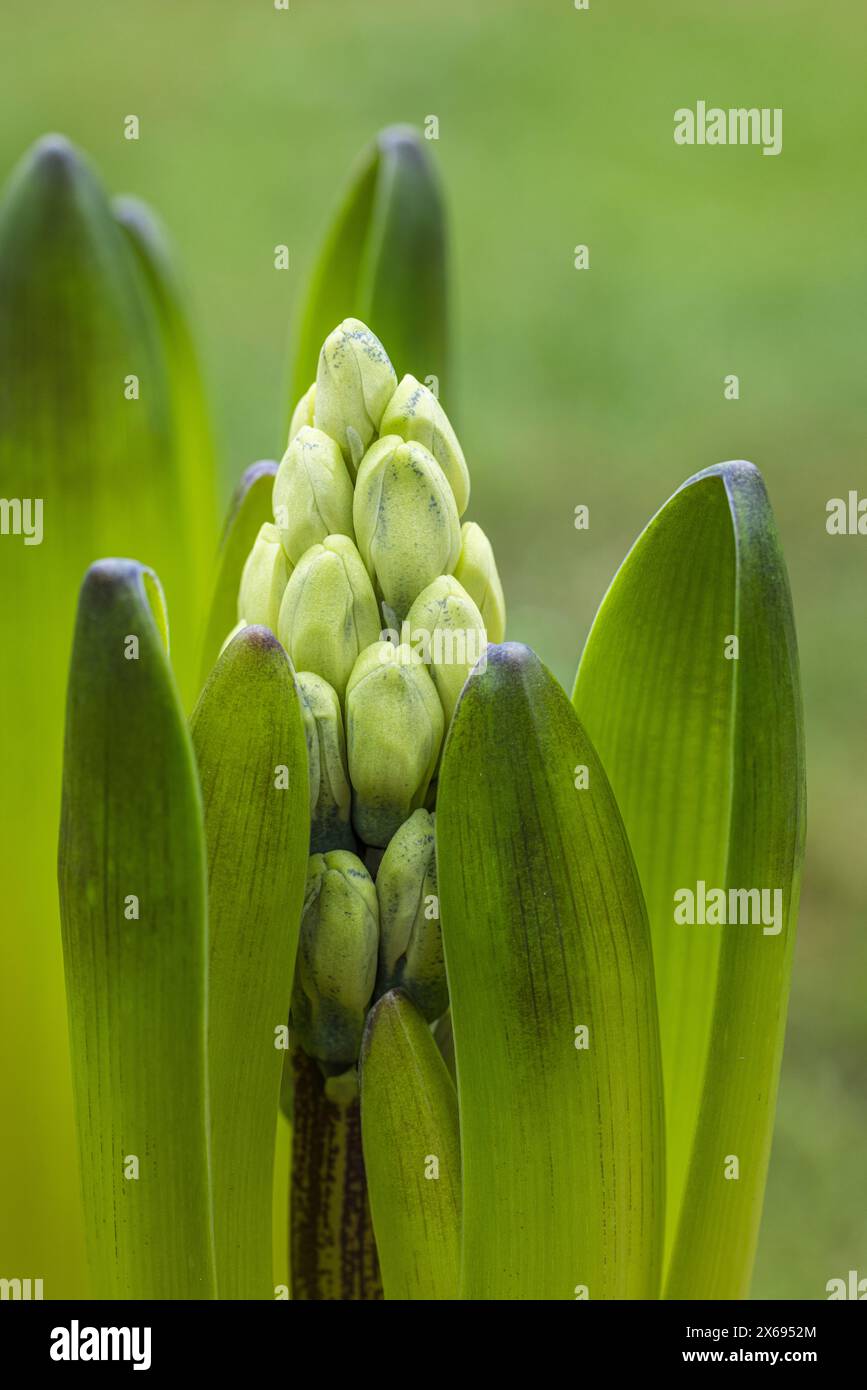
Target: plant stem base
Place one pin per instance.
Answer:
(332, 1253)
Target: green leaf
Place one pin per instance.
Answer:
(191, 425)
(76, 319)
(249, 508)
(545, 933)
(409, 1127)
(705, 755)
(132, 897)
(252, 756)
(384, 262)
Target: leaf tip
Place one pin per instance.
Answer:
(514, 656)
(732, 471)
(402, 142)
(54, 160)
(389, 1005)
(258, 639)
(503, 662)
(105, 577)
(262, 468)
(107, 580)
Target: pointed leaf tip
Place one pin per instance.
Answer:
(250, 507)
(383, 261)
(55, 159)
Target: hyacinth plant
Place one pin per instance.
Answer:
(390, 878)
(104, 431)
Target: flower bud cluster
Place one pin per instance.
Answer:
(384, 602)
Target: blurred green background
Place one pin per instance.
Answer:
(602, 386)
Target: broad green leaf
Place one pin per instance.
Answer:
(132, 896)
(704, 751)
(76, 321)
(252, 757)
(191, 424)
(384, 261)
(719, 1225)
(249, 508)
(409, 1129)
(546, 936)
(654, 692)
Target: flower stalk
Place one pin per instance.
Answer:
(332, 1249)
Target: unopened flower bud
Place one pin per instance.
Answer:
(336, 966)
(303, 413)
(476, 569)
(329, 813)
(329, 611)
(311, 737)
(264, 578)
(445, 627)
(312, 493)
(406, 520)
(394, 727)
(415, 413)
(410, 941)
(354, 383)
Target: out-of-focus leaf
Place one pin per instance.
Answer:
(249, 508)
(409, 1129)
(191, 427)
(705, 755)
(132, 895)
(252, 756)
(546, 936)
(77, 322)
(384, 262)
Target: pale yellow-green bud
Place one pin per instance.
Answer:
(406, 520)
(336, 967)
(476, 569)
(329, 814)
(303, 413)
(312, 493)
(329, 611)
(394, 728)
(354, 383)
(415, 413)
(410, 941)
(445, 627)
(264, 578)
